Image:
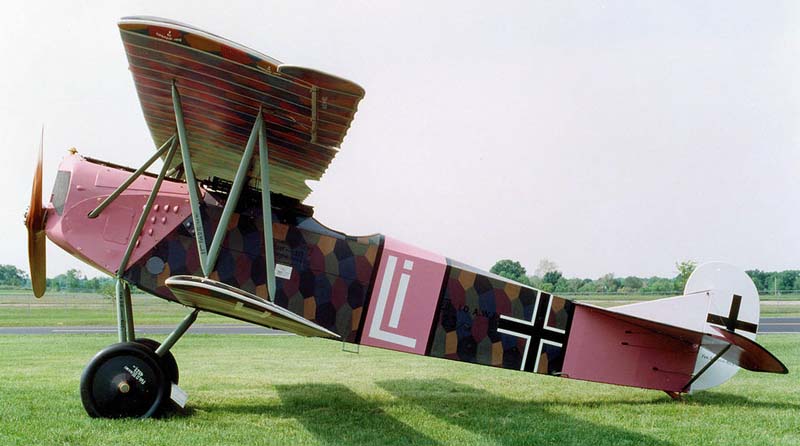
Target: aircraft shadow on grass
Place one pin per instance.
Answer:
(474, 409)
(334, 414)
(507, 421)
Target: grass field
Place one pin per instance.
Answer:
(19, 309)
(291, 390)
(779, 308)
(634, 297)
(23, 310)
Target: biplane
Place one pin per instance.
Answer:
(222, 228)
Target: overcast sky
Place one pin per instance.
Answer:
(606, 136)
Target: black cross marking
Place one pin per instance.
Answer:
(535, 332)
(732, 322)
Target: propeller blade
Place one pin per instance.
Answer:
(34, 222)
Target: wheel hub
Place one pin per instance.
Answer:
(124, 380)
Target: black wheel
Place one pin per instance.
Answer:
(124, 381)
(168, 362)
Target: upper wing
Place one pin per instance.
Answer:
(222, 86)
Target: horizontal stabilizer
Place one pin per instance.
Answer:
(744, 352)
(217, 297)
(718, 296)
(734, 348)
(679, 333)
(748, 354)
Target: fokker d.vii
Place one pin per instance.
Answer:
(239, 134)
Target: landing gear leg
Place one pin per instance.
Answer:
(168, 362)
(131, 379)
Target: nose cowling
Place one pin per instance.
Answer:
(101, 241)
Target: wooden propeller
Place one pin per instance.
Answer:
(34, 222)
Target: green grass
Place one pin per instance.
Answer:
(291, 390)
(635, 297)
(23, 310)
(768, 309)
(20, 309)
(784, 305)
(780, 310)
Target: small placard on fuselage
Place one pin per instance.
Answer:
(283, 271)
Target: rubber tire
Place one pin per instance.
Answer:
(98, 394)
(168, 362)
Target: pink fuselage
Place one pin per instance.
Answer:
(324, 275)
(101, 242)
(371, 290)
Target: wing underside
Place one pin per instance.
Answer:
(222, 87)
(219, 298)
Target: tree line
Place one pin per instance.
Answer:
(548, 278)
(71, 280)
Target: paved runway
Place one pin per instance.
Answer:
(767, 325)
(779, 325)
